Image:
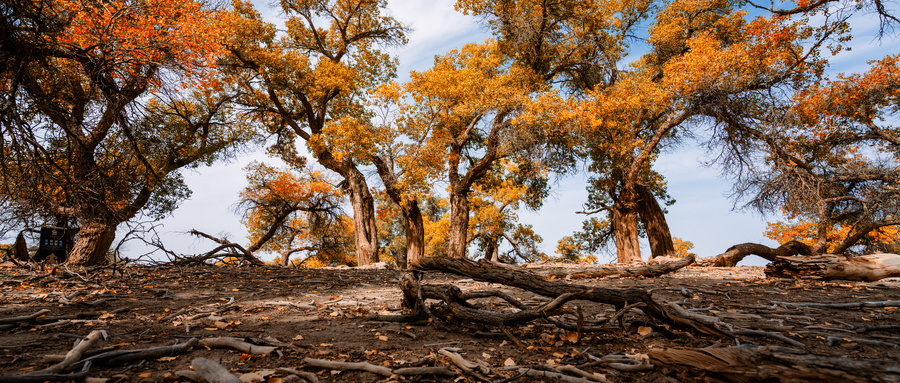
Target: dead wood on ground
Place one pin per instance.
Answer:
(774, 364)
(618, 271)
(870, 267)
(736, 253)
(489, 272)
(225, 249)
(209, 372)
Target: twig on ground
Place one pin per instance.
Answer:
(344, 366)
(74, 355)
(237, 344)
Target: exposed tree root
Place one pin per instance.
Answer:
(560, 293)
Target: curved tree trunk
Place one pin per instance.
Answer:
(93, 242)
(654, 220)
(736, 253)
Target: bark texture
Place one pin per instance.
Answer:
(94, 240)
(628, 249)
(870, 267)
(647, 271)
(774, 364)
(736, 253)
(459, 223)
(493, 273)
(654, 219)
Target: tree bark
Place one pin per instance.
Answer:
(93, 242)
(415, 233)
(365, 233)
(628, 249)
(20, 248)
(773, 364)
(736, 253)
(647, 271)
(492, 273)
(459, 222)
(409, 208)
(654, 219)
(870, 267)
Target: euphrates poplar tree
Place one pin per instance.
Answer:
(316, 73)
(95, 124)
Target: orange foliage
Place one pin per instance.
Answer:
(130, 35)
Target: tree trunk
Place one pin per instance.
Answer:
(415, 233)
(93, 242)
(492, 250)
(654, 220)
(628, 249)
(870, 267)
(613, 271)
(365, 234)
(459, 223)
(772, 364)
(736, 253)
(20, 249)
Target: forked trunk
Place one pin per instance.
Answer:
(492, 250)
(93, 243)
(628, 249)
(654, 220)
(459, 224)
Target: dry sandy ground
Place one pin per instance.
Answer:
(322, 314)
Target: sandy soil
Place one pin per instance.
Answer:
(322, 313)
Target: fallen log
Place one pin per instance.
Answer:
(774, 364)
(870, 267)
(488, 272)
(646, 271)
(736, 253)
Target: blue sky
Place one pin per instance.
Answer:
(703, 214)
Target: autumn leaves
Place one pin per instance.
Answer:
(605, 84)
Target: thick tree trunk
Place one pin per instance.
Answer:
(459, 223)
(492, 250)
(20, 248)
(365, 233)
(628, 249)
(415, 233)
(736, 253)
(654, 219)
(772, 364)
(93, 242)
(870, 267)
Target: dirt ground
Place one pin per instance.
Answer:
(322, 314)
